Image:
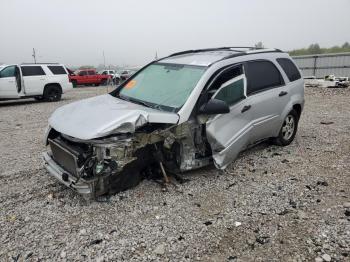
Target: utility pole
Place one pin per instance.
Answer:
(104, 59)
(34, 55)
(156, 57)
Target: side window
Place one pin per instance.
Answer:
(8, 72)
(104, 73)
(32, 71)
(224, 76)
(91, 73)
(289, 68)
(57, 70)
(82, 73)
(262, 75)
(232, 91)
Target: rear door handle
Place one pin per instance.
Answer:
(245, 108)
(283, 93)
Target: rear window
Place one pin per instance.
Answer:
(262, 75)
(32, 71)
(57, 70)
(289, 68)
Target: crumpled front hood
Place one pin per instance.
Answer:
(104, 115)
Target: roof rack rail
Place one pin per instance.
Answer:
(229, 48)
(40, 63)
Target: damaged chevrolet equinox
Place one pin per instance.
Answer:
(176, 114)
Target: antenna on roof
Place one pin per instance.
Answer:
(156, 56)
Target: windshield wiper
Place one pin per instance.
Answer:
(137, 101)
(142, 103)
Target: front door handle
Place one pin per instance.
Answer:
(283, 93)
(245, 108)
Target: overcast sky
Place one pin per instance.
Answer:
(76, 32)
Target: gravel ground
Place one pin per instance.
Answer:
(271, 204)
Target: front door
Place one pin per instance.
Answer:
(8, 83)
(228, 134)
(92, 78)
(83, 78)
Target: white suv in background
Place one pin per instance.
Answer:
(40, 81)
(113, 73)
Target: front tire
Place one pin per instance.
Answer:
(288, 129)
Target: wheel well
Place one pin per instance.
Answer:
(297, 108)
(53, 84)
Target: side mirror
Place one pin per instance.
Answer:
(214, 107)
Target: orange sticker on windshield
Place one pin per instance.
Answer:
(131, 84)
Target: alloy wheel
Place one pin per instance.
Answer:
(288, 127)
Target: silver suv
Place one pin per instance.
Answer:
(176, 114)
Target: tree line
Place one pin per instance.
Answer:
(316, 49)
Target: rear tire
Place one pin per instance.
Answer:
(103, 82)
(288, 130)
(52, 93)
(116, 81)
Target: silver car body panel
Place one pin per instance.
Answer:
(104, 115)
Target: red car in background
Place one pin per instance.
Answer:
(88, 77)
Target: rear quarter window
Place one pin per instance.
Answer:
(289, 68)
(262, 75)
(57, 70)
(32, 71)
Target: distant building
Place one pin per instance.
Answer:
(337, 64)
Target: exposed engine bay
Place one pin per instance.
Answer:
(120, 161)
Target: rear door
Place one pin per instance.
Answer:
(8, 83)
(34, 79)
(228, 134)
(268, 94)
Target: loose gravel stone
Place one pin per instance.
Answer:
(275, 200)
(160, 249)
(326, 257)
(346, 205)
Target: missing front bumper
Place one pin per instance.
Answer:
(82, 186)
